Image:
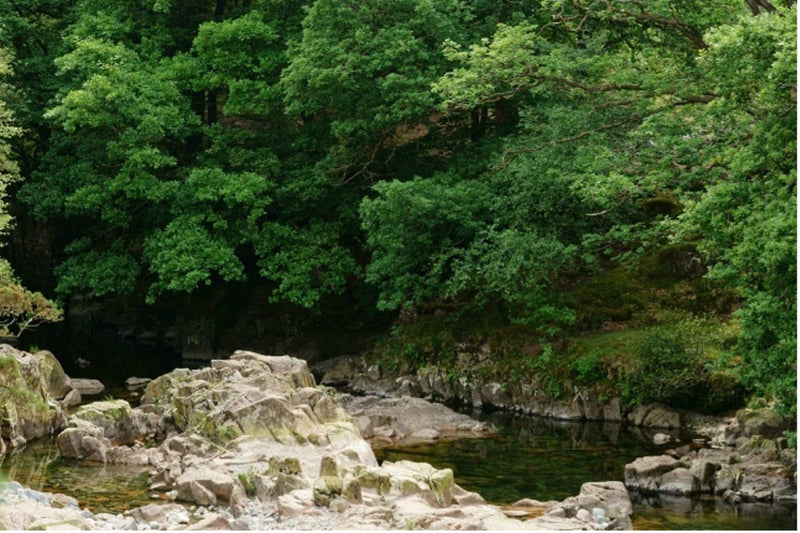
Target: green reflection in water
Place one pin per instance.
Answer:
(532, 458)
(549, 460)
(109, 489)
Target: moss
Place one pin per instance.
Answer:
(226, 433)
(248, 481)
(114, 410)
(20, 394)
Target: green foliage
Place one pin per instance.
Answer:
(367, 66)
(680, 362)
(483, 158)
(248, 481)
(20, 309)
(749, 219)
(417, 343)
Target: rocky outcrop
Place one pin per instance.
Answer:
(360, 376)
(756, 470)
(101, 432)
(34, 395)
(406, 420)
(253, 437)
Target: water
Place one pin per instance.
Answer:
(107, 489)
(531, 457)
(711, 513)
(546, 460)
(528, 458)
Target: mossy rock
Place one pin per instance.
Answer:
(673, 262)
(100, 412)
(326, 488)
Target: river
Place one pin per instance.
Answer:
(529, 457)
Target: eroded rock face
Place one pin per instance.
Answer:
(361, 376)
(249, 394)
(100, 432)
(746, 474)
(34, 395)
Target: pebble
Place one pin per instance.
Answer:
(257, 517)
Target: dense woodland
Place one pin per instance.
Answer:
(511, 159)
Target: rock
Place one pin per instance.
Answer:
(32, 387)
(87, 386)
(661, 438)
(644, 474)
(58, 383)
(71, 399)
(764, 422)
(158, 513)
(326, 488)
(205, 486)
(118, 421)
(28, 515)
(134, 383)
(295, 503)
(610, 500)
(295, 369)
(680, 482)
(612, 411)
(654, 416)
(407, 420)
(213, 522)
(727, 479)
(85, 443)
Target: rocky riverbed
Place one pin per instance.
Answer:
(251, 442)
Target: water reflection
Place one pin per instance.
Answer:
(529, 457)
(666, 512)
(546, 459)
(110, 489)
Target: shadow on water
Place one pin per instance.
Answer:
(103, 354)
(676, 513)
(544, 459)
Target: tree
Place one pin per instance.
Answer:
(20, 309)
(638, 125)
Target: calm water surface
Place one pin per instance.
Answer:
(549, 460)
(108, 489)
(528, 458)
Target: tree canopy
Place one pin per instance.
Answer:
(418, 153)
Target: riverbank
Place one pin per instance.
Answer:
(253, 440)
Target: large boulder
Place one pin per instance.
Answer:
(764, 422)
(250, 394)
(33, 395)
(101, 432)
(407, 420)
(644, 474)
(205, 486)
(654, 416)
